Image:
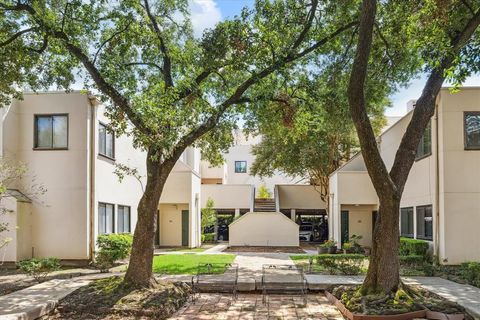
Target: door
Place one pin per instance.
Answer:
(185, 227)
(157, 229)
(344, 227)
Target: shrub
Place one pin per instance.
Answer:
(470, 271)
(329, 244)
(348, 264)
(39, 268)
(413, 247)
(411, 260)
(112, 247)
(208, 237)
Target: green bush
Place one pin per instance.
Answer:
(470, 271)
(413, 247)
(208, 237)
(39, 268)
(111, 248)
(411, 260)
(347, 264)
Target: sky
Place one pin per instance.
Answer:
(206, 13)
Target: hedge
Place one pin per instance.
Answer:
(411, 260)
(112, 247)
(347, 264)
(413, 247)
(470, 271)
(208, 237)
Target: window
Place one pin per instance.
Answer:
(105, 218)
(406, 222)
(123, 224)
(240, 166)
(106, 141)
(51, 132)
(472, 130)
(424, 222)
(424, 148)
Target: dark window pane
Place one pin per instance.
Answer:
(105, 141)
(240, 166)
(472, 130)
(424, 222)
(105, 218)
(101, 218)
(44, 132)
(60, 131)
(406, 222)
(425, 145)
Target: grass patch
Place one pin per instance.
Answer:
(187, 249)
(187, 263)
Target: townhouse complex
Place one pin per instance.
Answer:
(65, 142)
(441, 200)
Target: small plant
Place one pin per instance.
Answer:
(347, 264)
(329, 244)
(209, 216)
(347, 247)
(470, 271)
(208, 237)
(112, 247)
(264, 193)
(39, 268)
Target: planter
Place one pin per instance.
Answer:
(332, 250)
(427, 314)
(322, 250)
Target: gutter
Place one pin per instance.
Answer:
(91, 242)
(436, 245)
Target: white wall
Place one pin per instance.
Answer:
(300, 197)
(256, 229)
(227, 196)
(63, 215)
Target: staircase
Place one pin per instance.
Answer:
(264, 205)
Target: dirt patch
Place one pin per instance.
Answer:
(264, 249)
(110, 299)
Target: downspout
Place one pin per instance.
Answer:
(92, 178)
(436, 245)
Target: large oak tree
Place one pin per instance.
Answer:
(162, 86)
(444, 35)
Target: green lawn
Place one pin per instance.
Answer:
(187, 249)
(187, 263)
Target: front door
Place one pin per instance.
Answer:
(185, 227)
(344, 227)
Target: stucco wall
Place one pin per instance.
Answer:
(63, 215)
(227, 196)
(360, 222)
(255, 229)
(300, 197)
(460, 183)
(171, 224)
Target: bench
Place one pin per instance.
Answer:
(215, 277)
(283, 279)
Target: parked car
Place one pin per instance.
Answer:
(306, 232)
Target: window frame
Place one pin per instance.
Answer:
(465, 145)
(428, 154)
(235, 166)
(113, 216)
(412, 235)
(419, 236)
(113, 141)
(35, 131)
(129, 218)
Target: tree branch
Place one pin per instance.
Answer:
(144, 64)
(308, 25)
(108, 40)
(15, 36)
(198, 80)
(425, 106)
(356, 99)
(167, 63)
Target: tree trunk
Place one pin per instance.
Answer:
(383, 271)
(139, 272)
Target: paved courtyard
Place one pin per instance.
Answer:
(250, 306)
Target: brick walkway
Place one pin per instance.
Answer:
(250, 306)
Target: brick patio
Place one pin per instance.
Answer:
(250, 306)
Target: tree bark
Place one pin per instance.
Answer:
(139, 272)
(384, 269)
(383, 272)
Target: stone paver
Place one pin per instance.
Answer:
(218, 249)
(250, 306)
(38, 300)
(465, 295)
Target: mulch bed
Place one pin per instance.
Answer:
(411, 299)
(109, 299)
(264, 249)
